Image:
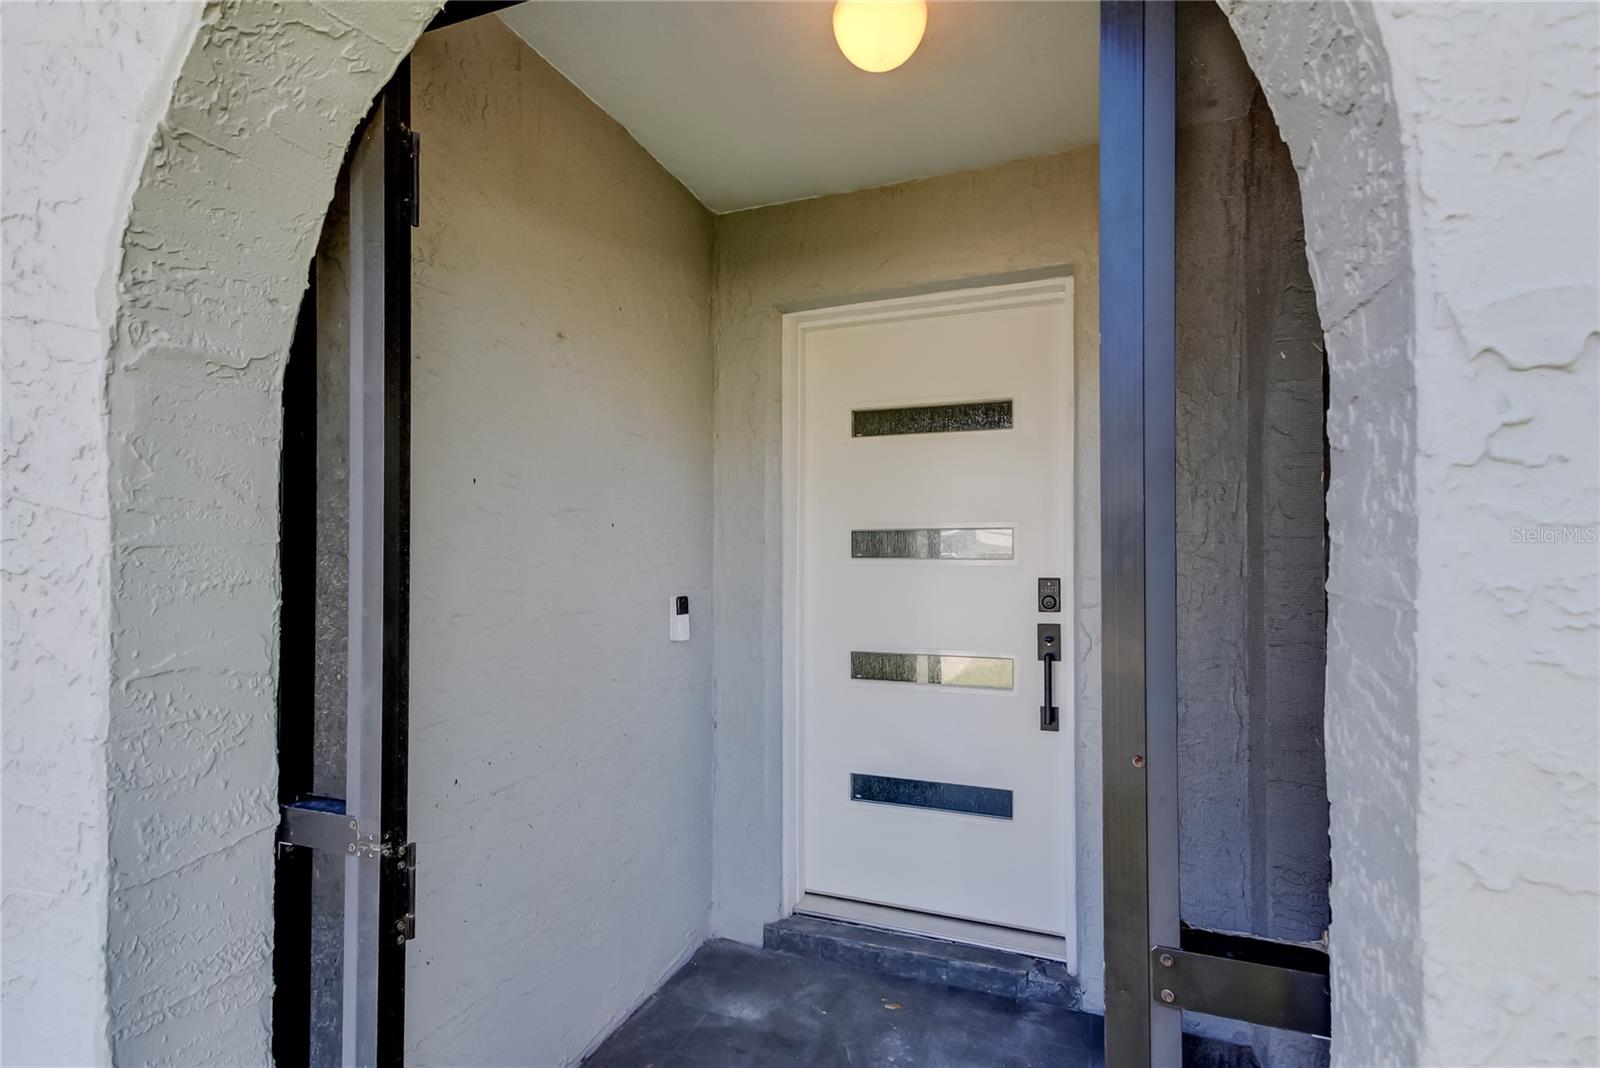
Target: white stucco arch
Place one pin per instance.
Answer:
(223, 223)
(198, 298)
(226, 215)
(1326, 75)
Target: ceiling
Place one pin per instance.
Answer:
(750, 103)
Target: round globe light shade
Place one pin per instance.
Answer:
(879, 35)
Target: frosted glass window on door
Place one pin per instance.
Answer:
(924, 793)
(931, 419)
(933, 543)
(935, 669)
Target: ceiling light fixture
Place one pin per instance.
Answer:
(879, 35)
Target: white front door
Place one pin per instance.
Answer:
(930, 462)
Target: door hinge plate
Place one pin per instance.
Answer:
(406, 925)
(1244, 977)
(322, 823)
(416, 179)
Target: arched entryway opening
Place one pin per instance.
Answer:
(224, 220)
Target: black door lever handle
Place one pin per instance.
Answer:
(1049, 652)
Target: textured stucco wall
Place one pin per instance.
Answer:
(1323, 70)
(84, 87)
(1286, 613)
(1451, 220)
(1499, 108)
(1446, 155)
(1252, 794)
(561, 495)
(939, 232)
(230, 199)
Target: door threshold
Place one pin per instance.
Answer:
(907, 921)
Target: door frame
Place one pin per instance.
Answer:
(1138, 516)
(369, 825)
(1157, 967)
(397, 862)
(1054, 285)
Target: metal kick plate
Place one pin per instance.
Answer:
(1291, 998)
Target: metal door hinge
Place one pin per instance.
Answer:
(406, 925)
(416, 179)
(322, 823)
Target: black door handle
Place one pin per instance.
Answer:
(1049, 652)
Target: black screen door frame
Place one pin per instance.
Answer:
(397, 864)
(381, 1016)
(381, 257)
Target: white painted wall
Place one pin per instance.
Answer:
(1447, 155)
(561, 495)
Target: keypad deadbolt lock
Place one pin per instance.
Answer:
(1049, 595)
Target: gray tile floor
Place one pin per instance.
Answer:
(734, 1005)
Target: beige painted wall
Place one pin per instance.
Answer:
(936, 233)
(561, 495)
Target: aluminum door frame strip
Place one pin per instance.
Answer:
(1138, 523)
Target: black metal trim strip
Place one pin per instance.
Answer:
(461, 10)
(924, 793)
(297, 507)
(1138, 523)
(1241, 977)
(1298, 956)
(393, 885)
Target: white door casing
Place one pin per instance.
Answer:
(992, 344)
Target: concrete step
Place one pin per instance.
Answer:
(928, 960)
(972, 968)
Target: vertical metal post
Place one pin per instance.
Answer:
(377, 897)
(395, 902)
(1138, 524)
(364, 705)
(297, 514)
